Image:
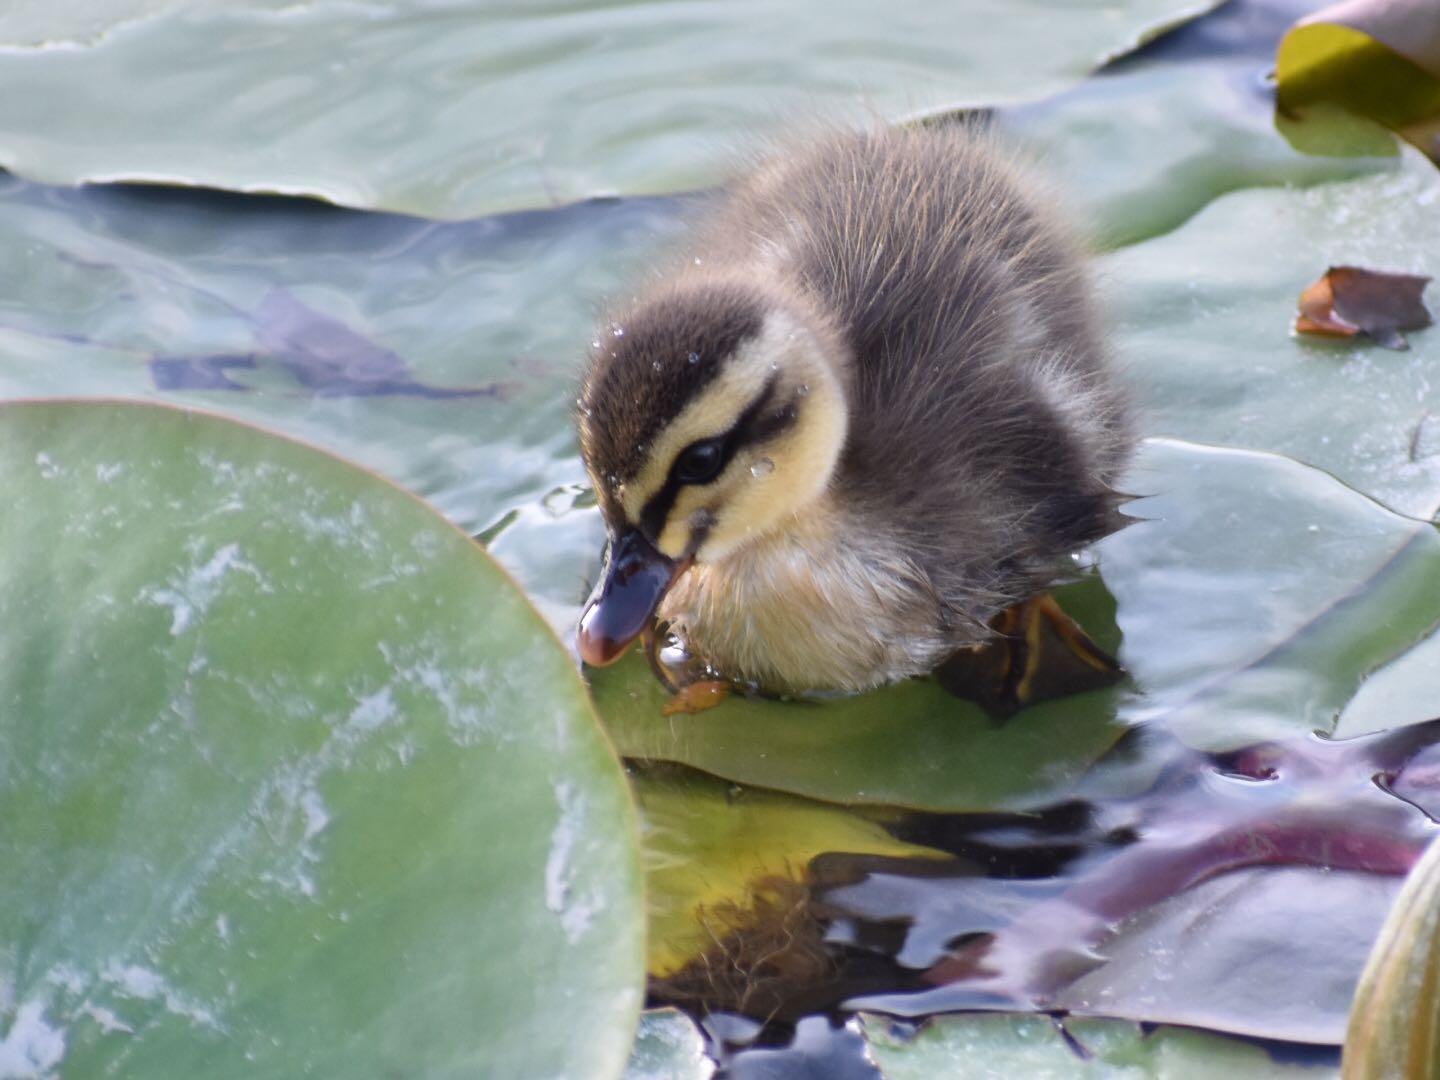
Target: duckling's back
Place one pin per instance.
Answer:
(983, 417)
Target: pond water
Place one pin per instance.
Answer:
(1212, 843)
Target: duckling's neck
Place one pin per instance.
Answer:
(819, 602)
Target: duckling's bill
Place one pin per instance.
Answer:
(636, 579)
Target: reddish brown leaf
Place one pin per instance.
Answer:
(1350, 300)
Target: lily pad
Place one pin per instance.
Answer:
(1204, 329)
(911, 744)
(668, 1046)
(1234, 641)
(1190, 916)
(1234, 954)
(1143, 149)
(315, 317)
(979, 1047)
(295, 780)
(1401, 693)
(459, 109)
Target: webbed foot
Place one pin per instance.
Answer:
(1039, 654)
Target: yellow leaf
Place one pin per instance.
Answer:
(1376, 60)
(716, 854)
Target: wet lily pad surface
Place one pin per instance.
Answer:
(1189, 866)
(1047, 1049)
(456, 108)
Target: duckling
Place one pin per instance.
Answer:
(867, 412)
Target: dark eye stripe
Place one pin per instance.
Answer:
(755, 424)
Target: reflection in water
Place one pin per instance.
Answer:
(1033, 905)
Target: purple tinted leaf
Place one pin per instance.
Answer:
(329, 357)
(1311, 806)
(198, 372)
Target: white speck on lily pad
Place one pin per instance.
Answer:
(373, 711)
(107, 1020)
(576, 912)
(139, 982)
(192, 595)
(316, 816)
(49, 469)
(31, 1048)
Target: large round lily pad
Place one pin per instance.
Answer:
(295, 782)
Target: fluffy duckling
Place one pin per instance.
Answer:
(868, 412)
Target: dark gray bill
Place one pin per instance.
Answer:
(635, 581)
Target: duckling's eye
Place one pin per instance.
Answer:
(700, 462)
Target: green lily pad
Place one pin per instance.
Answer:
(1204, 329)
(459, 109)
(668, 1046)
(1260, 593)
(295, 781)
(1040, 1048)
(910, 744)
(1144, 149)
(1399, 694)
(1228, 644)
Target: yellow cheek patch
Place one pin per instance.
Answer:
(712, 413)
(800, 463)
(763, 484)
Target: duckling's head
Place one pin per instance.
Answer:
(713, 411)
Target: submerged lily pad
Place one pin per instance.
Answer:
(719, 858)
(1272, 952)
(327, 325)
(295, 781)
(462, 108)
